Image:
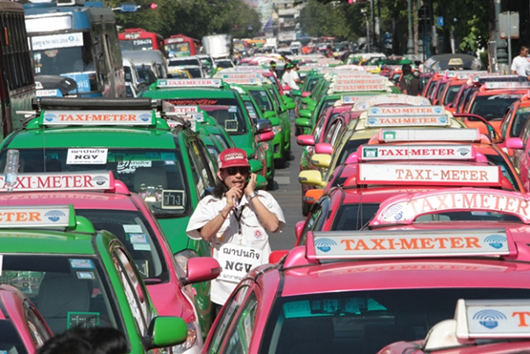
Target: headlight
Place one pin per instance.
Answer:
(190, 341)
(276, 129)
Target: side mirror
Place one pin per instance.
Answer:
(305, 140)
(276, 256)
(312, 195)
(321, 160)
(514, 143)
(306, 94)
(310, 178)
(262, 137)
(166, 331)
(263, 126)
(269, 114)
(352, 158)
(324, 148)
(305, 113)
(290, 105)
(298, 227)
(202, 269)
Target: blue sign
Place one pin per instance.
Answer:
(128, 7)
(440, 21)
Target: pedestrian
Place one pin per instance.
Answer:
(294, 74)
(520, 65)
(94, 340)
(288, 80)
(235, 221)
(272, 68)
(409, 84)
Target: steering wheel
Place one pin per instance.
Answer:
(492, 132)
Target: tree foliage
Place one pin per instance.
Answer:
(195, 18)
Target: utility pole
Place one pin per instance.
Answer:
(410, 43)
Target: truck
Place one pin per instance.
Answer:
(218, 45)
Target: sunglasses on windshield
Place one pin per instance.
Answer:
(234, 170)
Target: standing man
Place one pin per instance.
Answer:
(235, 221)
(408, 84)
(272, 68)
(520, 65)
(288, 79)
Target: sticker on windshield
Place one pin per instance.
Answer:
(131, 166)
(86, 157)
(231, 125)
(131, 229)
(83, 319)
(172, 199)
(167, 156)
(140, 242)
(81, 263)
(152, 155)
(85, 275)
(232, 109)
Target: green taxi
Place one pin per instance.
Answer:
(77, 276)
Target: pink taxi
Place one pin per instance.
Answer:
(486, 327)
(110, 206)
(358, 291)
(22, 327)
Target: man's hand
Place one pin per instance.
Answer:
(252, 183)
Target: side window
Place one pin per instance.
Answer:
(316, 212)
(201, 169)
(241, 333)
(35, 324)
(207, 162)
(337, 131)
(318, 127)
(519, 121)
(506, 122)
(227, 318)
(134, 289)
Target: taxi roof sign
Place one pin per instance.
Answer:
(183, 83)
(396, 99)
(381, 116)
(431, 135)
(443, 174)
(405, 209)
(38, 216)
(336, 245)
(490, 319)
(96, 117)
(359, 87)
(417, 152)
(489, 85)
(87, 180)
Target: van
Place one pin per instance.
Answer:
(148, 57)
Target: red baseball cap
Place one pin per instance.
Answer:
(233, 157)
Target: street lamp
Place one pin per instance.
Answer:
(410, 42)
(363, 11)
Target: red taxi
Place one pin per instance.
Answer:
(22, 327)
(110, 206)
(479, 326)
(491, 101)
(358, 291)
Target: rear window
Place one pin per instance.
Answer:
(492, 107)
(354, 216)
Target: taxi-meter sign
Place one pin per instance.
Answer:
(61, 118)
(409, 243)
(37, 216)
(404, 210)
(407, 116)
(446, 135)
(430, 174)
(92, 180)
(417, 152)
(168, 83)
(490, 319)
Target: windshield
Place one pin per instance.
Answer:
(10, 341)
(364, 322)
(157, 175)
(183, 61)
(353, 216)
(75, 58)
(68, 291)
(452, 91)
(178, 49)
(225, 111)
(349, 147)
(492, 107)
(146, 73)
(137, 44)
(262, 99)
(137, 236)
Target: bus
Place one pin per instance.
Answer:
(79, 40)
(17, 83)
(179, 45)
(140, 39)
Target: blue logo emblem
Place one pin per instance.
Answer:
(396, 212)
(325, 244)
(145, 117)
(49, 117)
(438, 110)
(55, 215)
(442, 120)
(495, 241)
(372, 121)
(489, 318)
(100, 180)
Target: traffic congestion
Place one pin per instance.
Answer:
(254, 196)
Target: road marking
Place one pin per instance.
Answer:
(282, 180)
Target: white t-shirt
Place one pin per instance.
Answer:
(288, 79)
(246, 233)
(521, 66)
